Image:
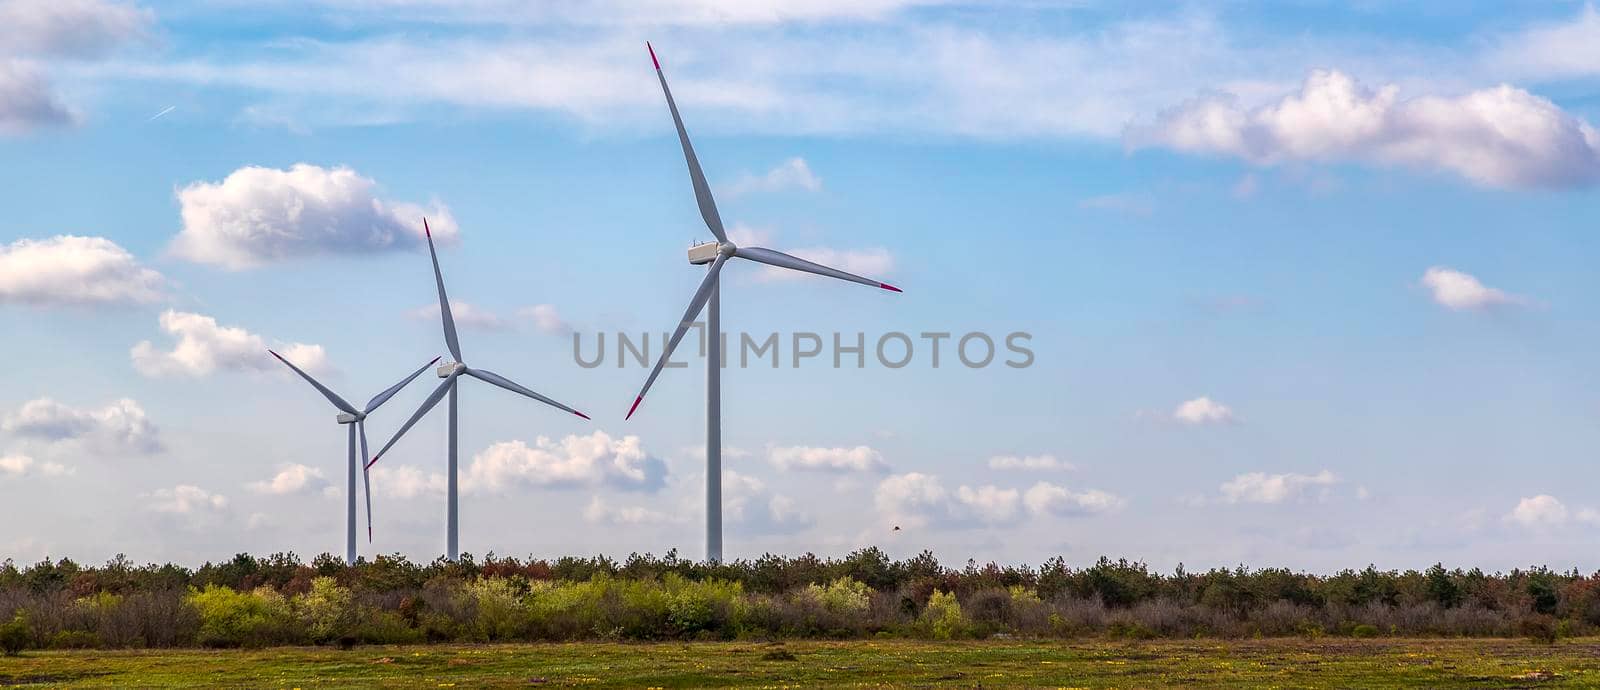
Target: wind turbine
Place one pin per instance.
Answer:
(357, 421)
(716, 253)
(450, 371)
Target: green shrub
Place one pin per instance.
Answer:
(844, 596)
(498, 608)
(234, 619)
(942, 617)
(75, 639)
(1364, 630)
(327, 611)
(14, 635)
(1538, 628)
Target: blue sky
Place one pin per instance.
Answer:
(1308, 285)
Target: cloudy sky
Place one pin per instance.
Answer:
(1304, 285)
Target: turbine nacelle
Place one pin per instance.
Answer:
(702, 254)
(449, 369)
(347, 418)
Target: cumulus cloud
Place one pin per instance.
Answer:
(1459, 291)
(1544, 510)
(187, 499)
(406, 481)
(69, 28)
(1028, 462)
(1554, 50)
(748, 504)
(1045, 498)
(837, 460)
(545, 318)
(70, 270)
(204, 347)
(257, 216)
(24, 466)
(919, 499)
(1260, 487)
(121, 427)
(27, 101)
(1497, 137)
(791, 174)
(1203, 410)
(292, 478)
(598, 511)
(573, 461)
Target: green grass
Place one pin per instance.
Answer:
(1284, 663)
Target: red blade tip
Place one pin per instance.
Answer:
(580, 414)
(274, 354)
(373, 461)
(435, 359)
(425, 229)
(636, 402)
(889, 287)
(653, 59)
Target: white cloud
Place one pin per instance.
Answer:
(291, 478)
(187, 499)
(204, 347)
(1260, 487)
(69, 28)
(988, 504)
(1460, 291)
(466, 315)
(808, 458)
(27, 101)
(22, 466)
(1028, 462)
(599, 511)
(121, 426)
(1045, 498)
(406, 481)
(260, 215)
(573, 461)
(747, 503)
(1203, 410)
(1498, 137)
(545, 318)
(70, 270)
(917, 499)
(791, 174)
(1554, 50)
(1539, 511)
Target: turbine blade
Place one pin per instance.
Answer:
(782, 260)
(503, 382)
(695, 305)
(433, 399)
(383, 397)
(330, 395)
(444, 302)
(702, 191)
(366, 477)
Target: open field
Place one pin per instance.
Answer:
(1288, 663)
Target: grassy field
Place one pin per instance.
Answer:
(1284, 663)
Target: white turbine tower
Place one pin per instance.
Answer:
(716, 253)
(357, 421)
(450, 371)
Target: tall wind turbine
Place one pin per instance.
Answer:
(357, 421)
(716, 253)
(450, 371)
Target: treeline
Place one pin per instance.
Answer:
(279, 600)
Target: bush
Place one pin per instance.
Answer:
(942, 618)
(234, 619)
(1540, 629)
(14, 635)
(1364, 630)
(327, 610)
